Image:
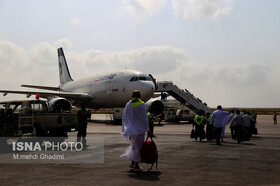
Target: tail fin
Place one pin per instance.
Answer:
(64, 74)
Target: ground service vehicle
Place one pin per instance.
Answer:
(117, 115)
(176, 115)
(184, 115)
(37, 118)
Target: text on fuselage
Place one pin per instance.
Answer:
(104, 78)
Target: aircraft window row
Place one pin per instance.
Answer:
(141, 78)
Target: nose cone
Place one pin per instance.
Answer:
(147, 90)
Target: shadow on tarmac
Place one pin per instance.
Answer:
(144, 175)
(232, 144)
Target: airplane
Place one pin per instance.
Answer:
(108, 90)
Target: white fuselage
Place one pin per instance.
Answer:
(113, 89)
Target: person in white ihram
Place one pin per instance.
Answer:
(134, 127)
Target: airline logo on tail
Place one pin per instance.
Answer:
(60, 68)
(64, 74)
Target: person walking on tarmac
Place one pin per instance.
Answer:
(219, 120)
(248, 119)
(134, 127)
(199, 126)
(210, 134)
(11, 124)
(254, 116)
(2, 122)
(82, 117)
(237, 127)
(150, 116)
(231, 116)
(275, 117)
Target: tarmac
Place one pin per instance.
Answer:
(182, 160)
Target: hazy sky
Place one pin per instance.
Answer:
(224, 51)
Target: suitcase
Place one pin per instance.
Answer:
(149, 152)
(193, 134)
(255, 130)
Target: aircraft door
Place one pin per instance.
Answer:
(115, 85)
(114, 90)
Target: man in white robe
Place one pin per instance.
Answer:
(232, 114)
(134, 127)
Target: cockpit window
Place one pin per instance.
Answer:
(134, 79)
(145, 78)
(149, 79)
(141, 78)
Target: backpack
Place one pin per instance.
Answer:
(149, 153)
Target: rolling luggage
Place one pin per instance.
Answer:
(149, 153)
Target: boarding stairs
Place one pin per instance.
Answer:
(185, 98)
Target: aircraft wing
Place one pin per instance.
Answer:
(42, 87)
(48, 95)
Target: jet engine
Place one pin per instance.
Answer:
(59, 104)
(155, 106)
